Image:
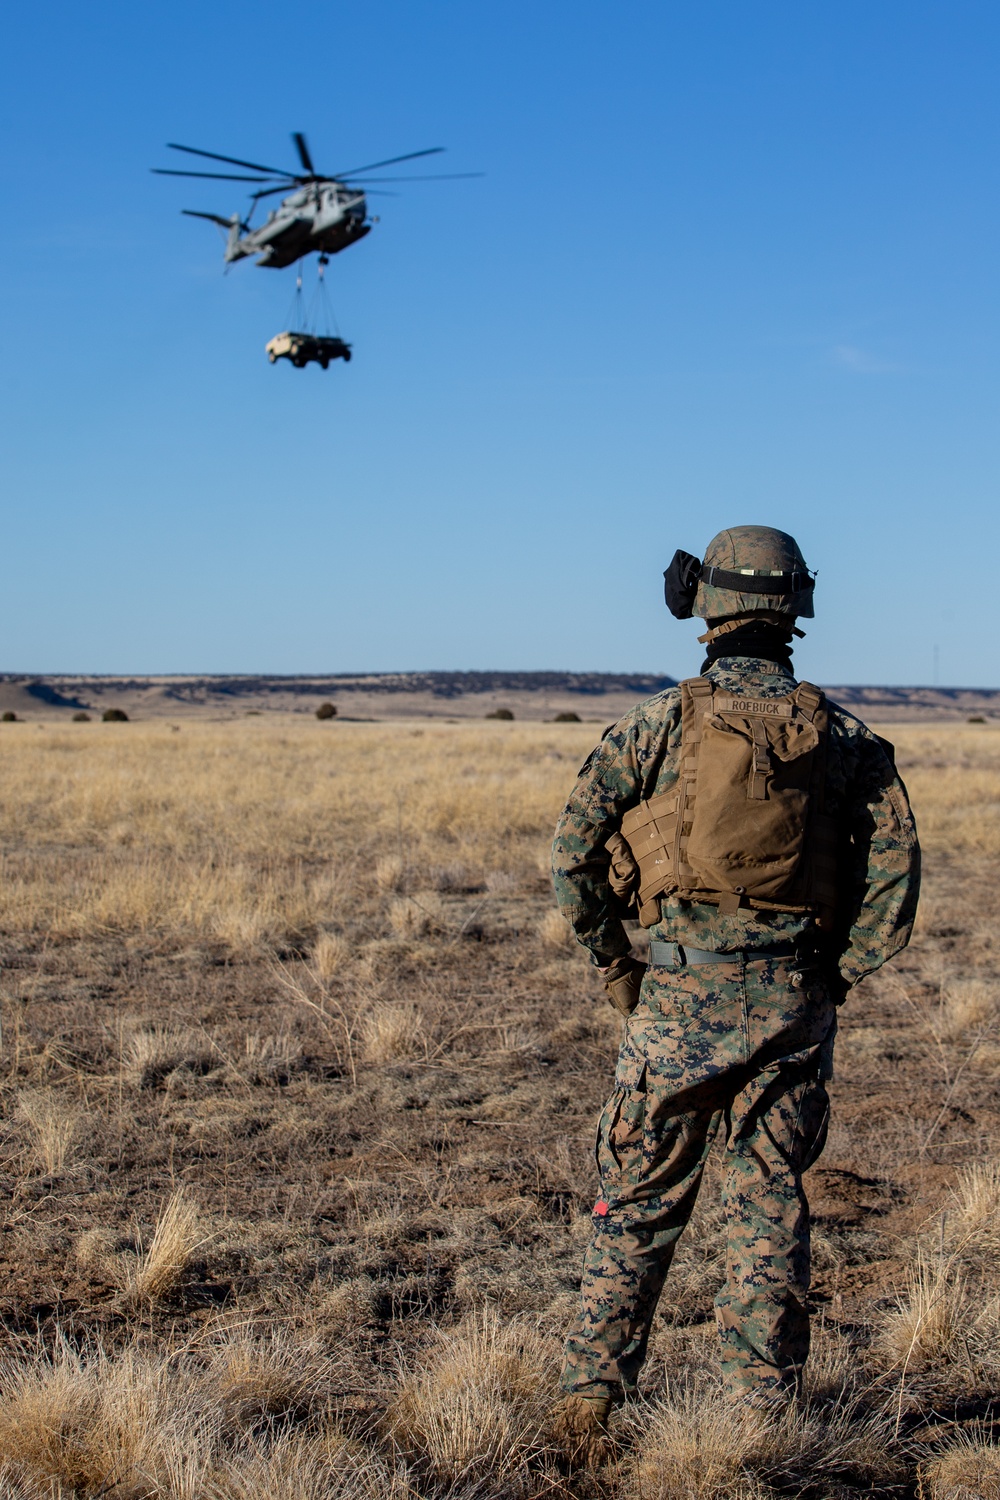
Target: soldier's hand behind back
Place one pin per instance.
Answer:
(623, 981)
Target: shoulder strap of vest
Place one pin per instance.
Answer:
(696, 702)
(809, 699)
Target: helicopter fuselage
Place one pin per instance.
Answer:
(324, 216)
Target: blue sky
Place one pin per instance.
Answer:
(730, 263)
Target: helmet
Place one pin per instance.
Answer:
(736, 574)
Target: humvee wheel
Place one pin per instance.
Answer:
(347, 356)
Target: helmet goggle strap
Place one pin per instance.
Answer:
(754, 581)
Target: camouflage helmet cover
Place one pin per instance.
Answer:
(758, 551)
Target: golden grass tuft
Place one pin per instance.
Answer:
(391, 1031)
(977, 1192)
(55, 1123)
(698, 1444)
(968, 1005)
(269, 1059)
(156, 1426)
(330, 954)
(87, 1424)
(477, 1410)
(299, 1466)
(175, 1239)
(556, 933)
(415, 916)
(267, 1375)
(151, 1054)
(967, 1469)
(923, 1330)
(390, 872)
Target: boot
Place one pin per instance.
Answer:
(580, 1426)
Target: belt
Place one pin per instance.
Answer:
(675, 955)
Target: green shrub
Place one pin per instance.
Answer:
(567, 717)
(500, 713)
(977, 719)
(9, 717)
(326, 711)
(81, 718)
(114, 716)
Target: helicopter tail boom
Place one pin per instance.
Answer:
(233, 224)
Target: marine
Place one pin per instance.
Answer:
(765, 839)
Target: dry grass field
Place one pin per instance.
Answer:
(299, 1077)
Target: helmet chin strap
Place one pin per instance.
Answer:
(765, 616)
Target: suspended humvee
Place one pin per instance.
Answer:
(307, 348)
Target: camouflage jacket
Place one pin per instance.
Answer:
(638, 758)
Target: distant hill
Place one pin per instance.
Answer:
(595, 696)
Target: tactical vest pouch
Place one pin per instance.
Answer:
(745, 824)
(651, 831)
(750, 813)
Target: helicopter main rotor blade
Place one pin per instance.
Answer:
(267, 192)
(193, 213)
(219, 176)
(254, 166)
(389, 161)
(430, 177)
(303, 150)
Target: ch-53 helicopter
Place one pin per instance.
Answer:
(325, 212)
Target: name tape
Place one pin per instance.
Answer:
(775, 707)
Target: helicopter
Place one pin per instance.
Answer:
(323, 212)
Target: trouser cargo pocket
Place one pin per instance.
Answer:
(620, 1139)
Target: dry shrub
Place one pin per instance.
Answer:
(478, 1409)
(346, 1307)
(90, 1424)
(268, 1376)
(699, 1444)
(697, 1448)
(391, 1030)
(330, 953)
(175, 1239)
(922, 1332)
(832, 1371)
(968, 1005)
(967, 1469)
(136, 1425)
(303, 1467)
(270, 1059)
(415, 916)
(556, 933)
(55, 1123)
(978, 1196)
(151, 1054)
(390, 872)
